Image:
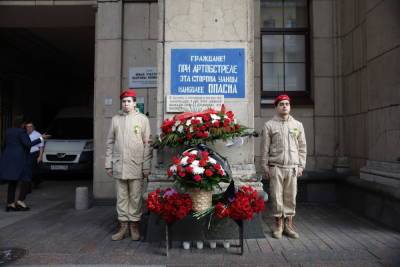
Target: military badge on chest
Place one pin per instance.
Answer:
(294, 132)
(136, 129)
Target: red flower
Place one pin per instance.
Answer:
(206, 117)
(216, 124)
(221, 210)
(182, 174)
(197, 178)
(176, 160)
(194, 122)
(167, 124)
(208, 173)
(217, 166)
(204, 154)
(202, 163)
(189, 169)
(199, 135)
(169, 172)
(230, 115)
(179, 168)
(227, 122)
(190, 159)
(188, 136)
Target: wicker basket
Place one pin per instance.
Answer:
(202, 199)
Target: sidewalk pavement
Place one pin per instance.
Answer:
(55, 234)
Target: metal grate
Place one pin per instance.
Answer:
(60, 157)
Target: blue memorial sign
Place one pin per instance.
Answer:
(217, 71)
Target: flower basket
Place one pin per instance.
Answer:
(201, 199)
(197, 169)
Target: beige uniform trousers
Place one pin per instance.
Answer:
(129, 199)
(283, 191)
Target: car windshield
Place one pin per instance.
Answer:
(71, 128)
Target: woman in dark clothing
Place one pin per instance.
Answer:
(13, 164)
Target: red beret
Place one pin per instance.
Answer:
(279, 98)
(128, 93)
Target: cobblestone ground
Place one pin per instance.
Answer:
(53, 233)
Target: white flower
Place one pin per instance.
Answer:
(173, 128)
(215, 117)
(234, 121)
(188, 122)
(211, 160)
(191, 129)
(195, 163)
(184, 160)
(180, 128)
(177, 123)
(193, 152)
(173, 168)
(199, 119)
(198, 170)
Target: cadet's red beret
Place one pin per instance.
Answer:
(279, 98)
(128, 93)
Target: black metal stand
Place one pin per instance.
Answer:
(240, 224)
(168, 240)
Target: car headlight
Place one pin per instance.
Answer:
(88, 146)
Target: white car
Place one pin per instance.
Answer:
(70, 148)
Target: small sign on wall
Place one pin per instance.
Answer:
(194, 103)
(142, 77)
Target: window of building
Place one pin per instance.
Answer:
(284, 48)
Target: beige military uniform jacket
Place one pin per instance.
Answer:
(128, 150)
(284, 143)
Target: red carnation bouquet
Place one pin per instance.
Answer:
(242, 206)
(169, 204)
(192, 128)
(197, 169)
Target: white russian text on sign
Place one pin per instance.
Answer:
(184, 103)
(142, 77)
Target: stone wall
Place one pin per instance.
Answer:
(126, 36)
(319, 118)
(370, 49)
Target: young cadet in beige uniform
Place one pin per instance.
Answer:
(284, 155)
(128, 156)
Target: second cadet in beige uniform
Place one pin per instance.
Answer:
(284, 154)
(128, 158)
